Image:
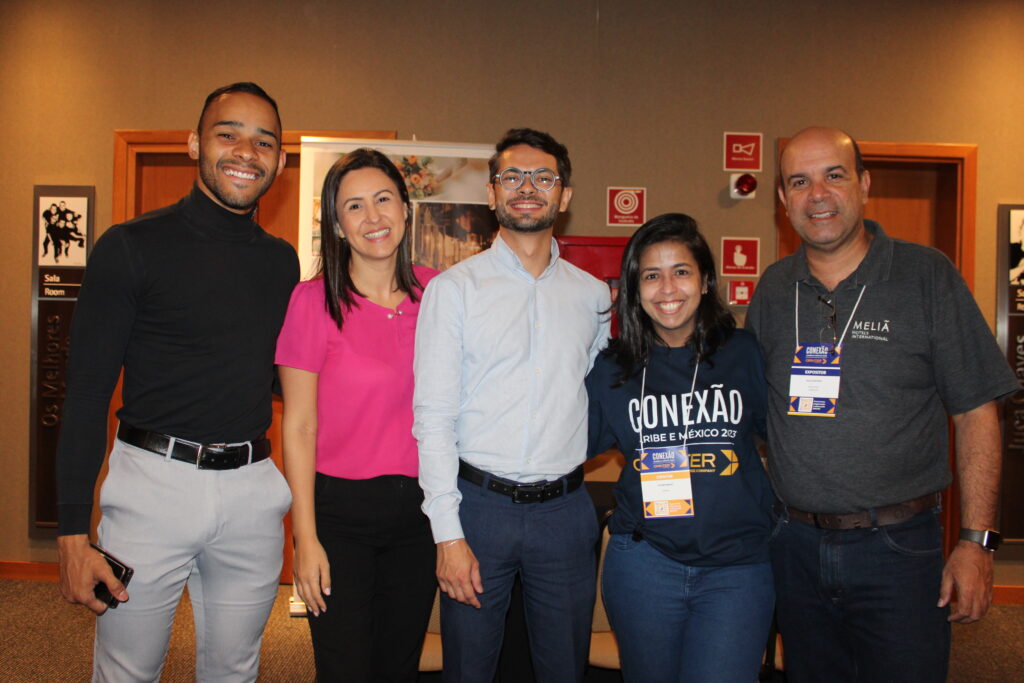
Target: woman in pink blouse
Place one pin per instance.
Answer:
(364, 555)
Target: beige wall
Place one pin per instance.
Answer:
(640, 92)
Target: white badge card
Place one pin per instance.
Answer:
(814, 380)
(665, 482)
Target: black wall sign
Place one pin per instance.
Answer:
(63, 228)
(1010, 332)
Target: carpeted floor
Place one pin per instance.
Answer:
(42, 638)
(45, 639)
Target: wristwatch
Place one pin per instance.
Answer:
(987, 539)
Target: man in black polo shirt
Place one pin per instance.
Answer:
(886, 342)
(188, 299)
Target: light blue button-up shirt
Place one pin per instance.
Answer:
(500, 361)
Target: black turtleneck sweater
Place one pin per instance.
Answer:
(189, 299)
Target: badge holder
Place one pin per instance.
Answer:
(665, 470)
(816, 370)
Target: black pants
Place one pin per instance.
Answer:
(382, 559)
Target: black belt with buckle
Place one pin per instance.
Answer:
(536, 492)
(205, 456)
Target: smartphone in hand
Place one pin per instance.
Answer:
(122, 571)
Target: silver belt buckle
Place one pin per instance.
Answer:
(210, 459)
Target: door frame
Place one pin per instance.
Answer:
(130, 144)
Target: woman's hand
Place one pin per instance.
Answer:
(312, 574)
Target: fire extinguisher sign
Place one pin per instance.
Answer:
(627, 205)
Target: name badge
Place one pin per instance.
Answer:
(665, 482)
(814, 380)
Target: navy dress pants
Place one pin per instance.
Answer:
(551, 545)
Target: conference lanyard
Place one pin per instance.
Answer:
(815, 373)
(665, 470)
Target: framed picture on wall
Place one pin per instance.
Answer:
(1010, 271)
(63, 217)
(447, 185)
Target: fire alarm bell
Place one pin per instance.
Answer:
(742, 186)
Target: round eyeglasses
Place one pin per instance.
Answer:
(513, 178)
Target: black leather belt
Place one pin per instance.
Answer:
(536, 492)
(869, 519)
(205, 456)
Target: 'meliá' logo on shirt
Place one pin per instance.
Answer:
(877, 330)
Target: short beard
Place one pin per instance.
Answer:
(209, 177)
(524, 225)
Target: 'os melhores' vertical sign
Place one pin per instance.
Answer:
(63, 230)
(1010, 334)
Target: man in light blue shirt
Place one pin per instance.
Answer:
(504, 342)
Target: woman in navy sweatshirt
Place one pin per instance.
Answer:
(681, 392)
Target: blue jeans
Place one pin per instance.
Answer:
(552, 546)
(859, 604)
(678, 622)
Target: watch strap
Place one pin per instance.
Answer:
(986, 538)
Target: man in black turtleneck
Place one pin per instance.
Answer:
(188, 299)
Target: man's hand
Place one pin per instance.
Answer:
(978, 464)
(81, 568)
(458, 572)
(969, 570)
(312, 574)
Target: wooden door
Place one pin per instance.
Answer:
(924, 193)
(152, 169)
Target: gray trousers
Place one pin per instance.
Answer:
(219, 531)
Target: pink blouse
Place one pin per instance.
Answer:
(365, 385)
